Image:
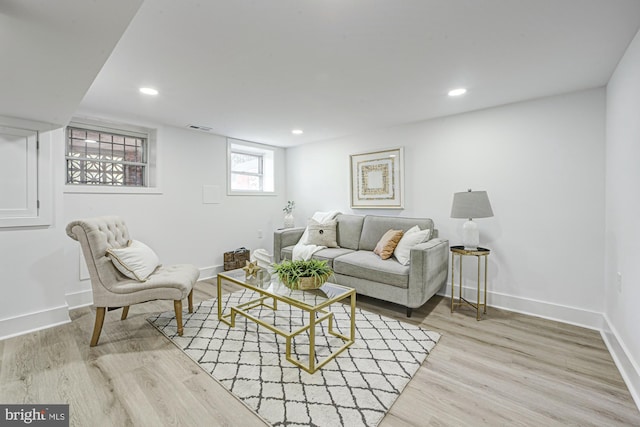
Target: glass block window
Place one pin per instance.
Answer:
(99, 157)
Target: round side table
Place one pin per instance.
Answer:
(478, 253)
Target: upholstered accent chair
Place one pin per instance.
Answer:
(111, 288)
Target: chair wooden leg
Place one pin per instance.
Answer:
(125, 312)
(190, 298)
(97, 328)
(177, 305)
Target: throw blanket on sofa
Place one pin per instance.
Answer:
(302, 250)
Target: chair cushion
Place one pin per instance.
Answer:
(367, 265)
(178, 277)
(136, 260)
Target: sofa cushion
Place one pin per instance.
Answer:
(367, 265)
(348, 230)
(330, 254)
(324, 254)
(374, 227)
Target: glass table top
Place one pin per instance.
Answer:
(267, 282)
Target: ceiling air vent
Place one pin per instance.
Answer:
(200, 128)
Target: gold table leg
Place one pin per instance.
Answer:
(478, 297)
(453, 279)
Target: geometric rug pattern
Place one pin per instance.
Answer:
(357, 388)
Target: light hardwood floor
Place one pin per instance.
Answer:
(509, 369)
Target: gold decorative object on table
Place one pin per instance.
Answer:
(251, 268)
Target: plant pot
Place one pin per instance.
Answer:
(305, 283)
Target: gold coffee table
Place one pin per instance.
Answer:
(316, 303)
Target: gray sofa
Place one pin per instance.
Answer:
(355, 265)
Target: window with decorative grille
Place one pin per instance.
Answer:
(99, 157)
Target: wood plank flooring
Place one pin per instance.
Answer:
(509, 369)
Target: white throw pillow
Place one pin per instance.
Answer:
(136, 261)
(412, 237)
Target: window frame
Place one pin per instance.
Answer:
(151, 175)
(266, 174)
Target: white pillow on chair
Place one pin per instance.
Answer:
(136, 261)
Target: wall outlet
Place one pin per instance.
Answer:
(259, 234)
(619, 282)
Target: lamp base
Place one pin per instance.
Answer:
(470, 236)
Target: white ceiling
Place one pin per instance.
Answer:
(256, 69)
(50, 52)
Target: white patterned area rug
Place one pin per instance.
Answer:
(357, 388)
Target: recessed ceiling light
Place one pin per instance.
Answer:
(457, 92)
(297, 132)
(148, 91)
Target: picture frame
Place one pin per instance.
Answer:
(377, 179)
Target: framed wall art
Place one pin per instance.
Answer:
(377, 179)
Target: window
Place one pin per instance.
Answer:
(106, 157)
(251, 168)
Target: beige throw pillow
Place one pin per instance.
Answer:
(388, 243)
(322, 234)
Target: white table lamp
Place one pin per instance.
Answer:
(471, 204)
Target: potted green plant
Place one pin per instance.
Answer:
(303, 275)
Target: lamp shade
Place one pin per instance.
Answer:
(471, 204)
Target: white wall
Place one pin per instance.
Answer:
(31, 261)
(622, 216)
(542, 163)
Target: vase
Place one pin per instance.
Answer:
(289, 221)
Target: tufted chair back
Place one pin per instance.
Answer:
(95, 236)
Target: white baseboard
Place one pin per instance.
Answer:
(32, 322)
(210, 272)
(626, 365)
(79, 299)
(546, 310)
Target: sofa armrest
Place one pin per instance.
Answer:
(429, 270)
(283, 238)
